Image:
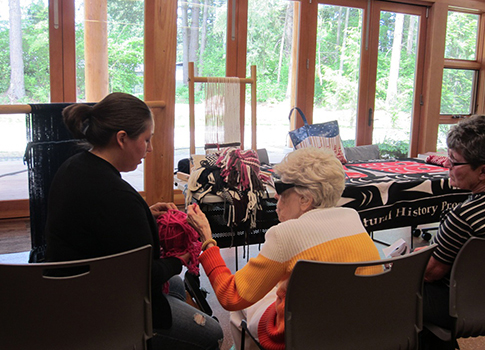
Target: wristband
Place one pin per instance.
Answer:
(207, 242)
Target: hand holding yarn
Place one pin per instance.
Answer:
(197, 219)
(160, 208)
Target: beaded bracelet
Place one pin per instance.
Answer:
(209, 241)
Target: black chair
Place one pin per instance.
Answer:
(467, 286)
(330, 306)
(98, 304)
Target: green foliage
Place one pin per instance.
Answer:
(394, 148)
(4, 60)
(461, 35)
(35, 47)
(456, 91)
(269, 47)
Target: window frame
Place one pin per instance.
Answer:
(476, 65)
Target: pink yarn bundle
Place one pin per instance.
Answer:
(177, 237)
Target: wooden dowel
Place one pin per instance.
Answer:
(15, 109)
(221, 79)
(22, 109)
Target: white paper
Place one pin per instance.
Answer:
(398, 248)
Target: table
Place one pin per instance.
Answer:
(386, 193)
(399, 193)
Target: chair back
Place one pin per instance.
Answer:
(367, 152)
(100, 303)
(467, 286)
(329, 306)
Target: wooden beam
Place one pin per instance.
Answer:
(96, 49)
(435, 46)
(62, 51)
(159, 84)
(14, 209)
(306, 59)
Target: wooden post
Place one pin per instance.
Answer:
(96, 49)
(254, 103)
(160, 61)
(192, 107)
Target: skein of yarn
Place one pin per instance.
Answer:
(177, 237)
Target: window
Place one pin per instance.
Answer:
(122, 26)
(24, 72)
(337, 68)
(460, 75)
(270, 48)
(201, 37)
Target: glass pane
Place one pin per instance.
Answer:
(337, 68)
(461, 35)
(24, 71)
(396, 70)
(442, 133)
(269, 48)
(457, 91)
(201, 38)
(125, 40)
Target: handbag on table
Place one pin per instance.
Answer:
(323, 135)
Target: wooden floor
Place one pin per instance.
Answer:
(15, 246)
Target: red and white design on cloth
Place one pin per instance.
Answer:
(402, 167)
(332, 143)
(436, 159)
(353, 174)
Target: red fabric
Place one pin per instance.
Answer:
(401, 167)
(435, 159)
(271, 335)
(271, 326)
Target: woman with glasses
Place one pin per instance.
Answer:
(309, 185)
(466, 164)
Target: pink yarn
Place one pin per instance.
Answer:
(177, 237)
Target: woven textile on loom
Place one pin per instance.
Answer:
(222, 111)
(49, 144)
(236, 178)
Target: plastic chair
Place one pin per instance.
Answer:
(100, 303)
(329, 307)
(467, 305)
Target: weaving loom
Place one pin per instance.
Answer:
(224, 112)
(49, 145)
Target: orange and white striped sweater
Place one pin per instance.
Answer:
(332, 234)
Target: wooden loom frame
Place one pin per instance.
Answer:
(193, 79)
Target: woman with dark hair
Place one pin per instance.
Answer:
(466, 164)
(93, 212)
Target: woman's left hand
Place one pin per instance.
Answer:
(160, 208)
(197, 219)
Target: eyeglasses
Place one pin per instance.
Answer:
(281, 186)
(454, 164)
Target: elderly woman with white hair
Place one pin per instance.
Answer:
(309, 185)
